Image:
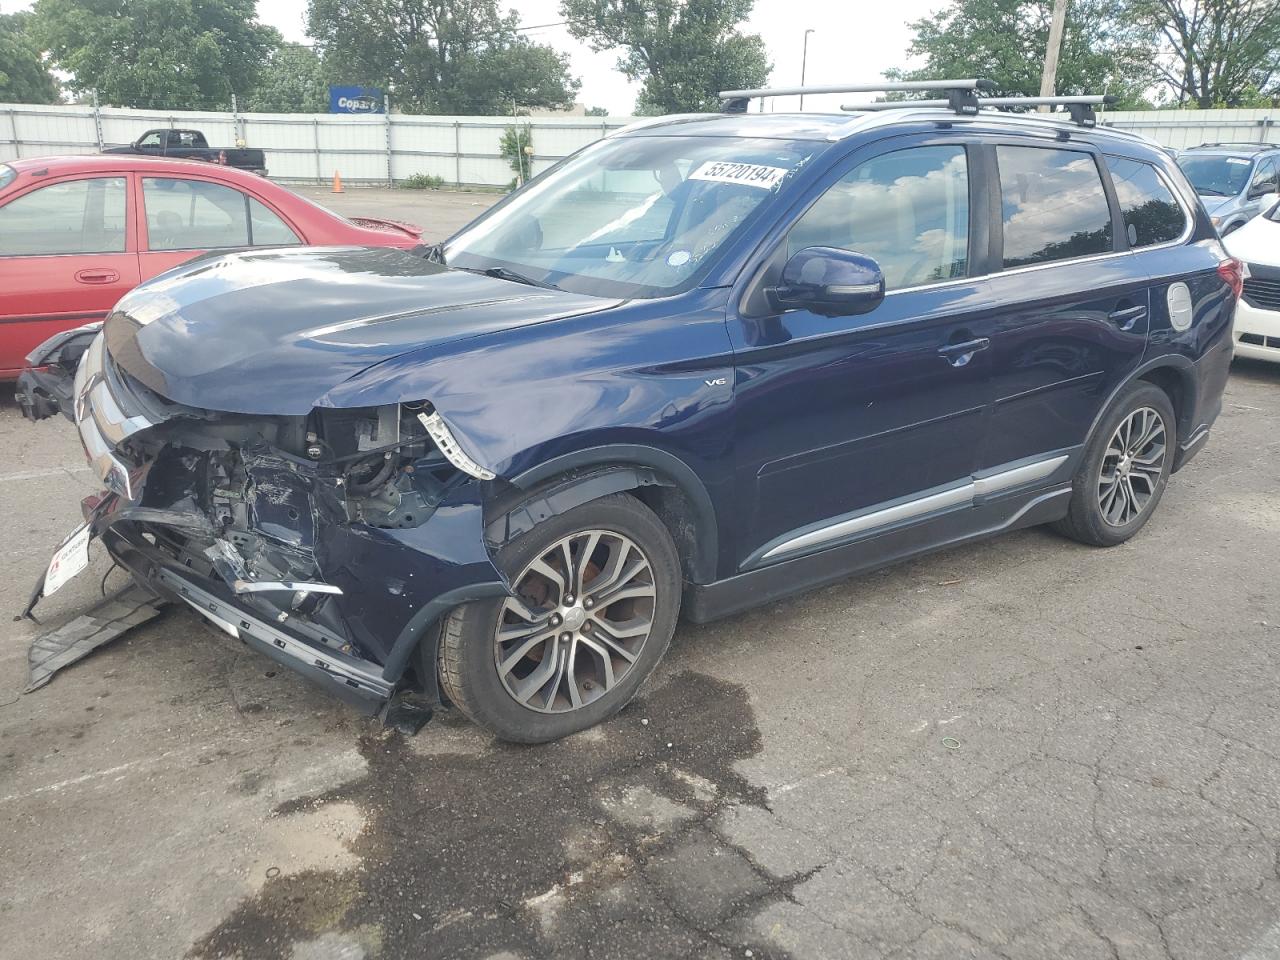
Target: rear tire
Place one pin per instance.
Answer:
(1126, 466)
(597, 598)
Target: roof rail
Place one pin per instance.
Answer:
(1080, 108)
(960, 93)
(1261, 144)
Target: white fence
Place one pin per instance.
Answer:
(1188, 128)
(459, 150)
(304, 146)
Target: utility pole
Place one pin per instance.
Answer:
(1049, 77)
(804, 62)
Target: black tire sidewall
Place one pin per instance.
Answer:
(1085, 509)
(487, 700)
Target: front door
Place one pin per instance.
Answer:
(841, 417)
(1074, 312)
(66, 257)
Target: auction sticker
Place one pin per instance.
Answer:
(750, 174)
(70, 559)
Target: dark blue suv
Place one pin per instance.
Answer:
(701, 364)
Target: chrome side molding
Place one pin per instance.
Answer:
(962, 494)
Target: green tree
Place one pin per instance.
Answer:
(516, 147)
(24, 76)
(1216, 53)
(156, 53)
(684, 52)
(1103, 49)
(292, 81)
(596, 112)
(440, 56)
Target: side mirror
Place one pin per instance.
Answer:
(829, 281)
(1261, 191)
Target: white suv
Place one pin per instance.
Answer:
(1257, 324)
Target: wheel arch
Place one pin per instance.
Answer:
(661, 480)
(1172, 373)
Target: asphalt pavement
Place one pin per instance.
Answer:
(1024, 748)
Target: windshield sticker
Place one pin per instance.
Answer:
(1238, 160)
(679, 258)
(750, 174)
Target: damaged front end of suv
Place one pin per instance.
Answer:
(331, 540)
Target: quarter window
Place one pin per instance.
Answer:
(268, 230)
(199, 215)
(1151, 212)
(74, 216)
(908, 209)
(1054, 206)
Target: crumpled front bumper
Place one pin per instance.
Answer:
(358, 682)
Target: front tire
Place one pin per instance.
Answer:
(1125, 469)
(597, 595)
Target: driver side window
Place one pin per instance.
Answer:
(1265, 177)
(908, 209)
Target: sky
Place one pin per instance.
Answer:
(853, 41)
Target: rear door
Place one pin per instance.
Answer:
(67, 254)
(848, 424)
(186, 216)
(1073, 305)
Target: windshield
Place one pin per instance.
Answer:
(1216, 175)
(632, 217)
(7, 175)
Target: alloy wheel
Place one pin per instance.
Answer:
(581, 613)
(1132, 467)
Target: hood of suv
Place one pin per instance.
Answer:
(1212, 203)
(272, 332)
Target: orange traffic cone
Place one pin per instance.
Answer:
(337, 182)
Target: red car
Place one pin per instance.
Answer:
(77, 233)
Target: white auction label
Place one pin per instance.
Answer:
(750, 174)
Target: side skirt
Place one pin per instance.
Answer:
(765, 584)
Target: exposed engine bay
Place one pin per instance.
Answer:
(244, 498)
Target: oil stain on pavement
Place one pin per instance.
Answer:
(601, 845)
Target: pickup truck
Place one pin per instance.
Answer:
(191, 145)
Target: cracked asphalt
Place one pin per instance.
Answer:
(1019, 749)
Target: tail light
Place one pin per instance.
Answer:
(1231, 271)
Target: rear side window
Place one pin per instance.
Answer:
(193, 214)
(908, 209)
(1054, 205)
(74, 216)
(1151, 213)
(198, 215)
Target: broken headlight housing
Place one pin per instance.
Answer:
(395, 463)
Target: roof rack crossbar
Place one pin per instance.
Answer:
(735, 101)
(1080, 108)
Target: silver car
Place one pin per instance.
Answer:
(1234, 180)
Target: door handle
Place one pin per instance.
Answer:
(1126, 317)
(97, 276)
(958, 354)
